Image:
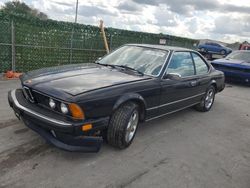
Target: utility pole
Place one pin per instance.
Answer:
(72, 33)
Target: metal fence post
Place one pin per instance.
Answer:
(110, 42)
(71, 45)
(72, 34)
(13, 63)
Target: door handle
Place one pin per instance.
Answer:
(193, 83)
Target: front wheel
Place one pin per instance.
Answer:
(123, 125)
(207, 101)
(202, 49)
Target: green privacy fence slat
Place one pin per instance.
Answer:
(5, 47)
(47, 43)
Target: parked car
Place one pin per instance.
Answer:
(236, 66)
(214, 48)
(75, 106)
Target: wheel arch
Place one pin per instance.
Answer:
(132, 97)
(214, 83)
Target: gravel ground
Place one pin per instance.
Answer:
(185, 149)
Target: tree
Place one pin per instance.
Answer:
(21, 8)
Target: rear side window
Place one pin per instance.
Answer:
(200, 65)
(182, 64)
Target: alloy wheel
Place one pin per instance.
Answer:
(132, 126)
(209, 99)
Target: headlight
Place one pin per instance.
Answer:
(64, 108)
(52, 103)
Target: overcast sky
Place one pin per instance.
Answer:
(224, 20)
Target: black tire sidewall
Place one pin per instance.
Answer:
(126, 144)
(117, 129)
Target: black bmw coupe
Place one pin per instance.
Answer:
(75, 106)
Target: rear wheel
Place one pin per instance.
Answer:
(123, 125)
(222, 52)
(207, 101)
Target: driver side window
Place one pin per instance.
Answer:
(182, 64)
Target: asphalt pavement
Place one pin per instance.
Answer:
(185, 149)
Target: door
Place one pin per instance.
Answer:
(181, 92)
(210, 46)
(202, 72)
(217, 47)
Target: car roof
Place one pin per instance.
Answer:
(161, 47)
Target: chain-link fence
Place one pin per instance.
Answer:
(29, 43)
(5, 46)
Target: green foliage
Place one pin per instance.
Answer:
(17, 7)
(44, 43)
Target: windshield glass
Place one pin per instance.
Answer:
(244, 56)
(146, 60)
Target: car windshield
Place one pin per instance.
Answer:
(148, 61)
(238, 55)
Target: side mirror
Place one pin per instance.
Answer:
(173, 76)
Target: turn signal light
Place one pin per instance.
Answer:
(76, 111)
(86, 127)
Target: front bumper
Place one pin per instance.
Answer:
(63, 133)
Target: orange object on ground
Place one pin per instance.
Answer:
(11, 74)
(17, 74)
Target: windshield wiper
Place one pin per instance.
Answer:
(130, 68)
(107, 65)
(120, 66)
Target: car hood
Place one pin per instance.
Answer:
(232, 63)
(77, 79)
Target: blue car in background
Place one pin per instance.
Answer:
(236, 66)
(214, 48)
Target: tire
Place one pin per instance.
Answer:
(206, 101)
(123, 125)
(202, 49)
(223, 52)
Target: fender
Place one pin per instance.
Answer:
(134, 97)
(213, 82)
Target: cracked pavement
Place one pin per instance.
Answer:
(185, 149)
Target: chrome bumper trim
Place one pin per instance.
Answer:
(52, 120)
